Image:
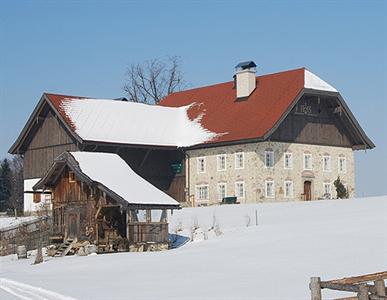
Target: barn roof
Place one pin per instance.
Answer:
(111, 174)
(121, 122)
(196, 117)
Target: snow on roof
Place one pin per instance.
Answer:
(113, 172)
(134, 123)
(312, 81)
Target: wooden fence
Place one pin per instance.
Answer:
(27, 234)
(367, 287)
(155, 232)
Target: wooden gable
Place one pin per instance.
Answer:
(46, 141)
(318, 120)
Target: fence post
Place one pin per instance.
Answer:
(363, 292)
(380, 287)
(315, 288)
(256, 218)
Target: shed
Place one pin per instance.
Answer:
(97, 197)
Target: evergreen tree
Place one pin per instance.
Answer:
(5, 185)
(341, 191)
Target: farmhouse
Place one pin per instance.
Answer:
(282, 136)
(98, 198)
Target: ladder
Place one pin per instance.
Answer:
(65, 247)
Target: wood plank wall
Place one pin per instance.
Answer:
(49, 142)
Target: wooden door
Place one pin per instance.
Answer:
(307, 190)
(73, 225)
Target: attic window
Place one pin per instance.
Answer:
(71, 177)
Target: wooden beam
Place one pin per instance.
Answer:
(145, 158)
(361, 279)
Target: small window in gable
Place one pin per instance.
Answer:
(71, 177)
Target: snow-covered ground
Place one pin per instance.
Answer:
(274, 260)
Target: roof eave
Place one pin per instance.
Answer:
(15, 148)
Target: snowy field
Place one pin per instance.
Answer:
(274, 260)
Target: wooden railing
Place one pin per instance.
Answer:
(148, 232)
(357, 284)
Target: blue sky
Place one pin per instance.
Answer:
(83, 48)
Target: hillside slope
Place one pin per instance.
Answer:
(274, 260)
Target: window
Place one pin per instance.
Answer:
(327, 163)
(307, 161)
(342, 164)
(269, 158)
(36, 198)
(327, 191)
(222, 190)
(240, 189)
(71, 177)
(288, 187)
(202, 192)
(201, 165)
(288, 160)
(239, 160)
(269, 189)
(221, 162)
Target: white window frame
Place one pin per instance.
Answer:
(330, 163)
(218, 158)
(272, 159)
(311, 161)
(220, 197)
(198, 165)
(237, 183)
(330, 189)
(237, 166)
(344, 170)
(198, 192)
(290, 160)
(291, 195)
(266, 190)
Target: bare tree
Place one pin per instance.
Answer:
(151, 81)
(17, 188)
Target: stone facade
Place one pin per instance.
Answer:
(254, 174)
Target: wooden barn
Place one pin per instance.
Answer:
(97, 197)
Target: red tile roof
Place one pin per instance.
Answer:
(240, 120)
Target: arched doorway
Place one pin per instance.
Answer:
(307, 190)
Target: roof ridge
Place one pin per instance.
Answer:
(228, 82)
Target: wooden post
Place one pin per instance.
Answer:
(380, 287)
(363, 292)
(256, 218)
(315, 288)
